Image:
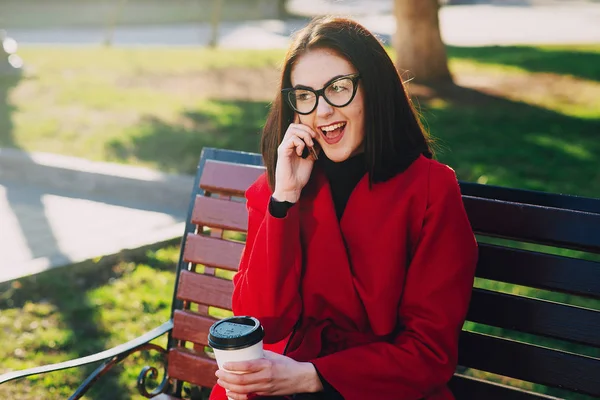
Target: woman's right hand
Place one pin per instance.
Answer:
(292, 171)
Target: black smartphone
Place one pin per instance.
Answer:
(307, 150)
(310, 150)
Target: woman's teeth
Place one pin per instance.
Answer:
(327, 130)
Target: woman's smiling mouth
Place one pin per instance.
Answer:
(333, 133)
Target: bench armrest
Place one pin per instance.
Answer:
(113, 356)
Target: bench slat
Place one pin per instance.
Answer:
(530, 363)
(467, 387)
(191, 327)
(189, 366)
(205, 289)
(232, 156)
(535, 316)
(213, 252)
(530, 197)
(539, 270)
(229, 178)
(552, 226)
(220, 213)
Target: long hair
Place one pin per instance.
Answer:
(394, 135)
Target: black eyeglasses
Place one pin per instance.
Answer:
(338, 92)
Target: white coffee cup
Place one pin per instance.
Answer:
(236, 339)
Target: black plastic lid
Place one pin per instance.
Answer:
(235, 333)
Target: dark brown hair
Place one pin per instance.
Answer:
(394, 135)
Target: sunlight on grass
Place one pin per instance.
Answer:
(110, 61)
(569, 60)
(567, 95)
(438, 104)
(574, 150)
(524, 291)
(545, 249)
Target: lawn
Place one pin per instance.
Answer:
(73, 312)
(518, 116)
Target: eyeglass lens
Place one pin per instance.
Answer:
(338, 93)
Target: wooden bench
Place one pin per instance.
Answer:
(529, 339)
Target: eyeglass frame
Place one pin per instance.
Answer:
(321, 92)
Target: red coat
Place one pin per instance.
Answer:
(382, 295)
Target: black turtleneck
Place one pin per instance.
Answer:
(343, 178)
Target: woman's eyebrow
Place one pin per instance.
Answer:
(326, 83)
(303, 87)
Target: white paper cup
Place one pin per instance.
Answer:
(236, 339)
(249, 353)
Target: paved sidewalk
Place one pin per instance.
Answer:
(493, 22)
(57, 210)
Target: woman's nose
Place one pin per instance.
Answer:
(324, 109)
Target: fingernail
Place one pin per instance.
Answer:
(218, 374)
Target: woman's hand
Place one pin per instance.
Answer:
(292, 171)
(274, 375)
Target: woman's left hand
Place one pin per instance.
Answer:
(274, 375)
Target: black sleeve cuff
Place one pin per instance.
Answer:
(328, 390)
(279, 209)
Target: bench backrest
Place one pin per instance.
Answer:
(509, 332)
(535, 311)
(210, 253)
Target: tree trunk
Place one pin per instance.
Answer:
(418, 43)
(214, 23)
(112, 24)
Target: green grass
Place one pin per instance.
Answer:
(148, 107)
(519, 116)
(579, 61)
(73, 312)
(518, 145)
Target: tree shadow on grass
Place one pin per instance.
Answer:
(577, 62)
(509, 143)
(486, 138)
(66, 290)
(176, 146)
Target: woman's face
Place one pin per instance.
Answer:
(340, 130)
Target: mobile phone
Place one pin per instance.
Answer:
(309, 150)
(305, 152)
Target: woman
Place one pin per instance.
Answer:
(359, 264)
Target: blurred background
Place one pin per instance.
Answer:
(105, 106)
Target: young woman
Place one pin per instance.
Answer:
(359, 264)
